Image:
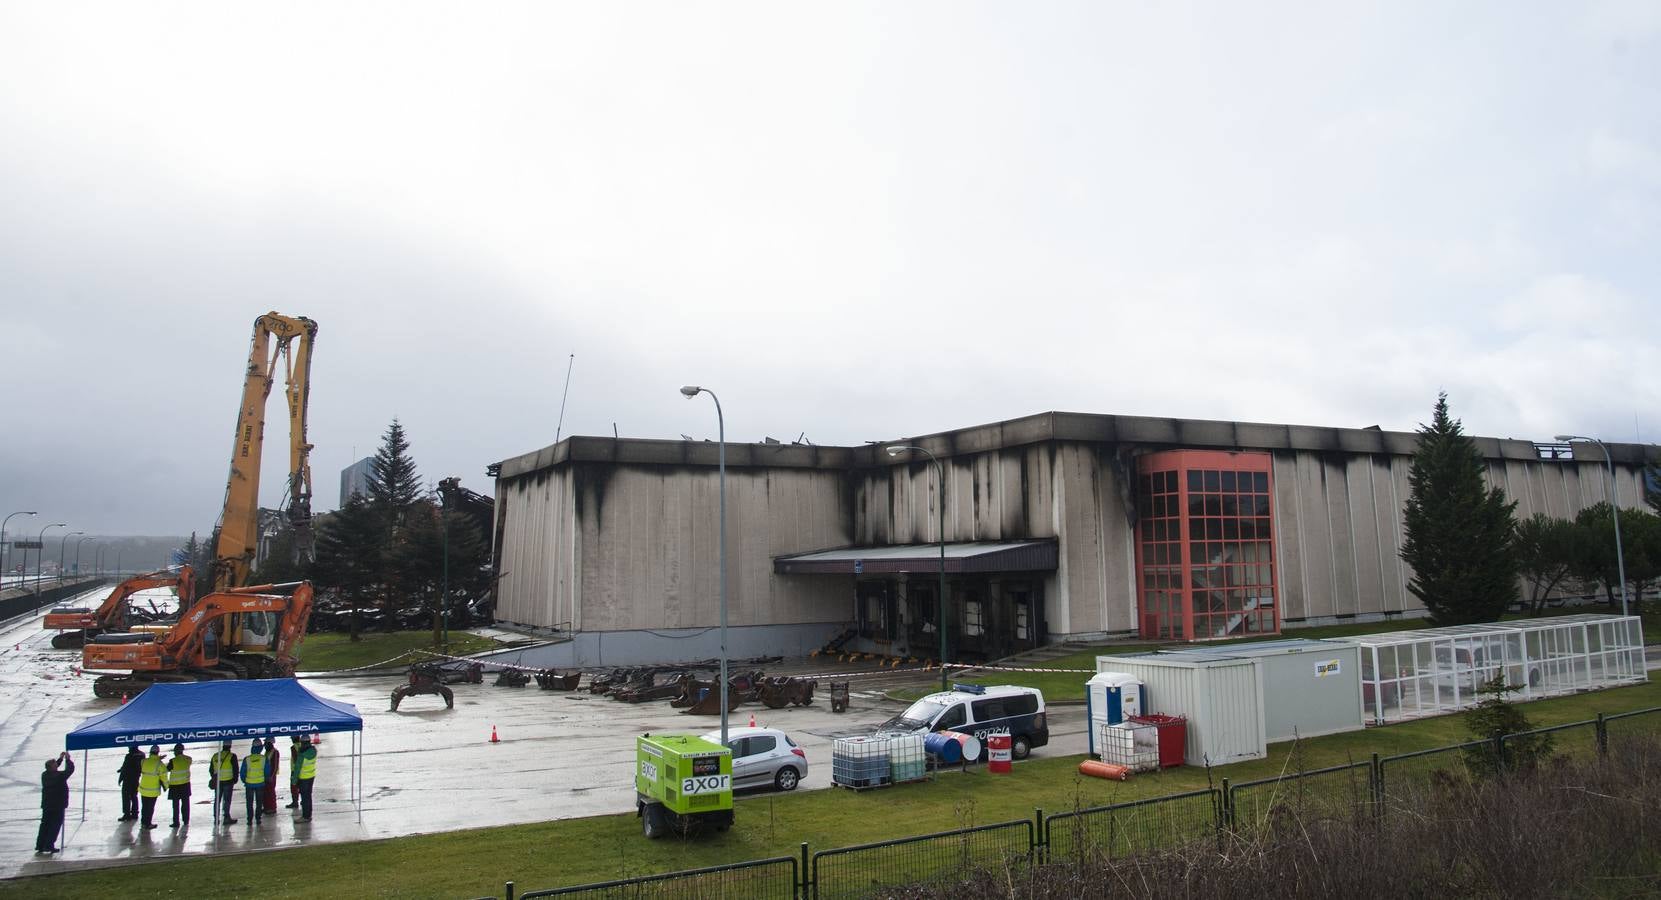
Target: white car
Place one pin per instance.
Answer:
(763, 757)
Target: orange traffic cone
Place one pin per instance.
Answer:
(493, 738)
(752, 720)
(123, 699)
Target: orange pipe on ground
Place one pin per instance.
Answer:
(1097, 769)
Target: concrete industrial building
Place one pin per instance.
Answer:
(1058, 526)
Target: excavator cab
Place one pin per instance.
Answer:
(210, 645)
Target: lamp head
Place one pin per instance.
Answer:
(895, 450)
(1565, 437)
(29, 512)
(690, 391)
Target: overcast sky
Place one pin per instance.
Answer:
(857, 221)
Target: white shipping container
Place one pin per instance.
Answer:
(1310, 688)
(1222, 699)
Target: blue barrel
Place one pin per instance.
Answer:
(945, 748)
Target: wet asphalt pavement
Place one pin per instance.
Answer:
(425, 769)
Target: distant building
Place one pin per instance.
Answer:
(354, 479)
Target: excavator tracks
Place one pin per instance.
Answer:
(117, 687)
(241, 666)
(69, 640)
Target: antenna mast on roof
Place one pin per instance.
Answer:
(562, 396)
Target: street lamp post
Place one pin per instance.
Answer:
(118, 561)
(3, 523)
(1614, 509)
(444, 585)
(78, 553)
(690, 391)
(61, 544)
(940, 477)
(38, 557)
(2, 537)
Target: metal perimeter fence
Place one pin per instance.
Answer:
(1369, 788)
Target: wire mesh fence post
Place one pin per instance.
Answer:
(802, 886)
(508, 890)
(1040, 836)
(1499, 753)
(1375, 785)
(1225, 818)
(1603, 735)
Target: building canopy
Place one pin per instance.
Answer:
(206, 711)
(961, 558)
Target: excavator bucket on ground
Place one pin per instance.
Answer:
(551, 680)
(709, 704)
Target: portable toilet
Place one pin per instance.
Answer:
(1110, 698)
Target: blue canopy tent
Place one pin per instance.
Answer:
(216, 711)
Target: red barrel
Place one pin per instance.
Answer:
(997, 753)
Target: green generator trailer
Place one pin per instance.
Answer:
(682, 783)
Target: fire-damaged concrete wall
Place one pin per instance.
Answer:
(605, 535)
(536, 555)
(651, 550)
(615, 536)
(1064, 491)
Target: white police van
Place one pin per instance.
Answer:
(980, 710)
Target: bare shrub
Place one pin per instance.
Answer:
(1567, 828)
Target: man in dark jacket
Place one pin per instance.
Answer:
(54, 799)
(129, 784)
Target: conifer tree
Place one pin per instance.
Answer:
(350, 557)
(1458, 532)
(393, 483)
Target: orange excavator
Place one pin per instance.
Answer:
(192, 650)
(75, 624)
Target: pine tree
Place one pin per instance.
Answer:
(393, 483)
(421, 557)
(350, 554)
(1458, 533)
(1507, 739)
(1546, 556)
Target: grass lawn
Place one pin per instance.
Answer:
(329, 651)
(577, 851)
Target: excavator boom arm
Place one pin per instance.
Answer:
(276, 337)
(112, 612)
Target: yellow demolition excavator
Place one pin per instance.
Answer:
(236, 631)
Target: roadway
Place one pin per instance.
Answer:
(427, 769)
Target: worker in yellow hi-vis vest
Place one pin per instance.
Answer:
(151, 773)
(253, 782)
(307, 774)
(222, 781)
(178, 785)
